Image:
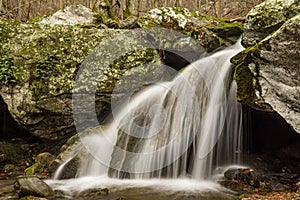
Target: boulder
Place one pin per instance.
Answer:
(73, 154)
(267, 74)
(32, 186)
(39, 64)
(211, 32)
(240, 179)
(71, 15)
(266, 18)
(45, 165)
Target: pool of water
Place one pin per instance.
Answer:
(157, 189)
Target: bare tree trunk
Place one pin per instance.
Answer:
(28, 11)
(138, 7)
(19, 9)
(61, 4)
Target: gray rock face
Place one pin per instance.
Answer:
(279, 74)
(71, 15)
(40, 83)
(266, 18)
(268, 73)
(32, 186)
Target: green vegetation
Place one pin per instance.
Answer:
(246, 81)
(43, 55)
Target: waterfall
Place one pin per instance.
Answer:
(182, 128)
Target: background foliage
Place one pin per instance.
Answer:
(26, 9)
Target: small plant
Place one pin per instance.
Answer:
(7, 70)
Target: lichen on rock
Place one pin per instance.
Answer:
(71, 15)
(267, 17)
(267, 74)
(38, 66)
(210, 31)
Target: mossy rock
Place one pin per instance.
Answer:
(43, 167)
(244, 75)
(33, 169)
(267, 74)
(210, 31)
(32, 186)
(267, 17)
(39, 63)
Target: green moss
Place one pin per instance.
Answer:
(225, 29)
(242, 196)
(270, 15)
(45, 56)
(36, 19)
(99, 18)
(7, 69)
(35, 168)
(126, 12)
(247, 83)
(110, 12)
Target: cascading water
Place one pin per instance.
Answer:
(186, 127)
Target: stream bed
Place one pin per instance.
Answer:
(158, 189)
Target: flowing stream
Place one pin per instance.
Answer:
(170, 134)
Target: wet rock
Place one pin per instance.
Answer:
(231, 173)
(93, 194)
(267, 74)
(74, 154)
(266, 18)
(278, 187)
(71, 15)
(43, 167)
(241, 175)
(8, 168)
(32, 186)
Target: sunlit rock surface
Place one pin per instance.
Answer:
(211, 32)
(71, 15)
(39, 64)
(268, 75)
(266, 18)
(26, 186)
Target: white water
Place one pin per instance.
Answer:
(187, 127)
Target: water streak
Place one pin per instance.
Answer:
(186, 127)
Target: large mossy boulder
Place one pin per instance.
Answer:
(266, 18)
(268, 75)
(39, 63)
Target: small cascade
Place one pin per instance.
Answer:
(182, 128)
